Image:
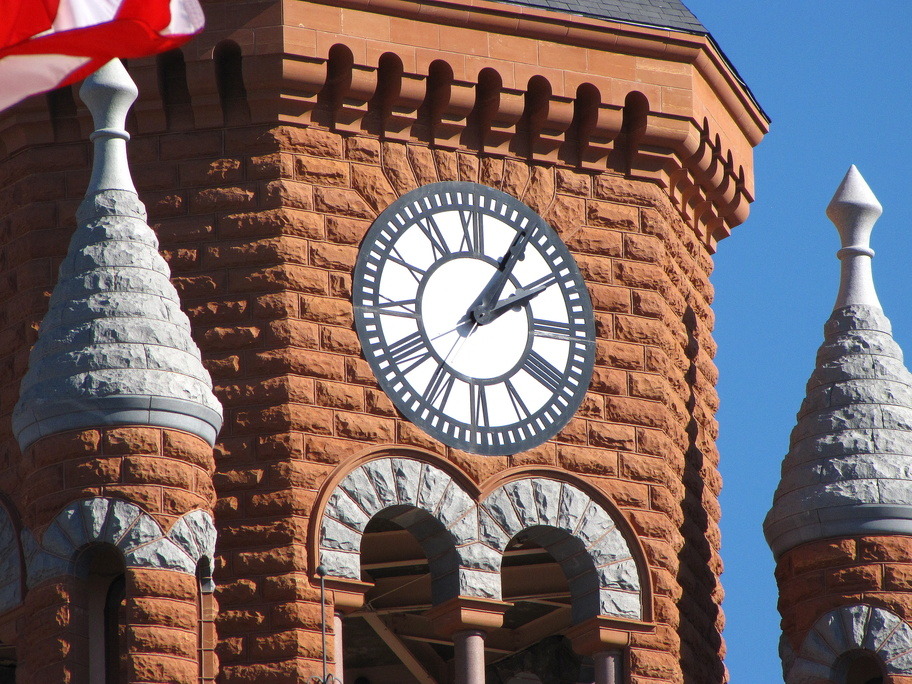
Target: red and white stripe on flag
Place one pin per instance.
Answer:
(45, 44)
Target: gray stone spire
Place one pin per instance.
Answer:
(849, 467)
(114, 347)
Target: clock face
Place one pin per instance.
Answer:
(474, 317)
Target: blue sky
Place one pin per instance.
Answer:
(835, 79)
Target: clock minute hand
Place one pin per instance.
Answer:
(481, 309)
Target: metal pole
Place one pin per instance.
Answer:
(321, 572)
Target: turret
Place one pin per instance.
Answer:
(842, 514)
(116, 420)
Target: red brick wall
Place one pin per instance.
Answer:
(817, 577)
(261, 223)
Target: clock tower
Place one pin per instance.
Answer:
(447, 265)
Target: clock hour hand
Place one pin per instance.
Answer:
(521, 296)
(483, 306)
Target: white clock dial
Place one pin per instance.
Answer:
(474, 317)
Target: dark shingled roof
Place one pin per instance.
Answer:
(670, 14)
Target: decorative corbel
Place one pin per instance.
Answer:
(403, 109)
(302, 80)
(596, 138)
(450, 114)
(354, 101)
(547, 127)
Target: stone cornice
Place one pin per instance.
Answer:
(611, 36)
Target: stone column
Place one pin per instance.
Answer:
(608, 666)
(470, 659)
(467, 621)
(606, 639)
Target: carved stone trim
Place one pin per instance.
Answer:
(465, 540)
(846, 629)
(124, 525)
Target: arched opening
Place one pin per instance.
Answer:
(102, 568)
(229, 79)
(172, 85)
(859, 667)
(389, 640)
(537, 585)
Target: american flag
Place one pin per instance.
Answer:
(45, 44)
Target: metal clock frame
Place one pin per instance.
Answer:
(568, 387)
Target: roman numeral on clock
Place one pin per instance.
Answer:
(555, 329)
(439, 387)
(539, 368)
(478, 406)
(472, 231)
(432, 232)
(407, 308)
(411, 349)
(414, 271)
(519, 407)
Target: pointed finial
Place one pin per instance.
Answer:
(854, 210)
(109, 93)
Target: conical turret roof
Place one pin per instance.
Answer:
(849, 467)
(115, 347)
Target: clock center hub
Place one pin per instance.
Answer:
(479, 351)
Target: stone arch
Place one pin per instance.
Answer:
(429, 503)
(843, 630)
(579, 533)
(127, 527)
(11, 561)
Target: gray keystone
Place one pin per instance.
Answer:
(341, 563)
(454, 505)
(380, 474)
(465, 529)
(407, 474)
(881, 624)
(854, 624)
(620, 604)
(121, 516)
(337, 536)
(621, 575)
(547, 495)
(479, 584)
(897, 644)
(596, 522)
(612, 547)
(55, 541)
